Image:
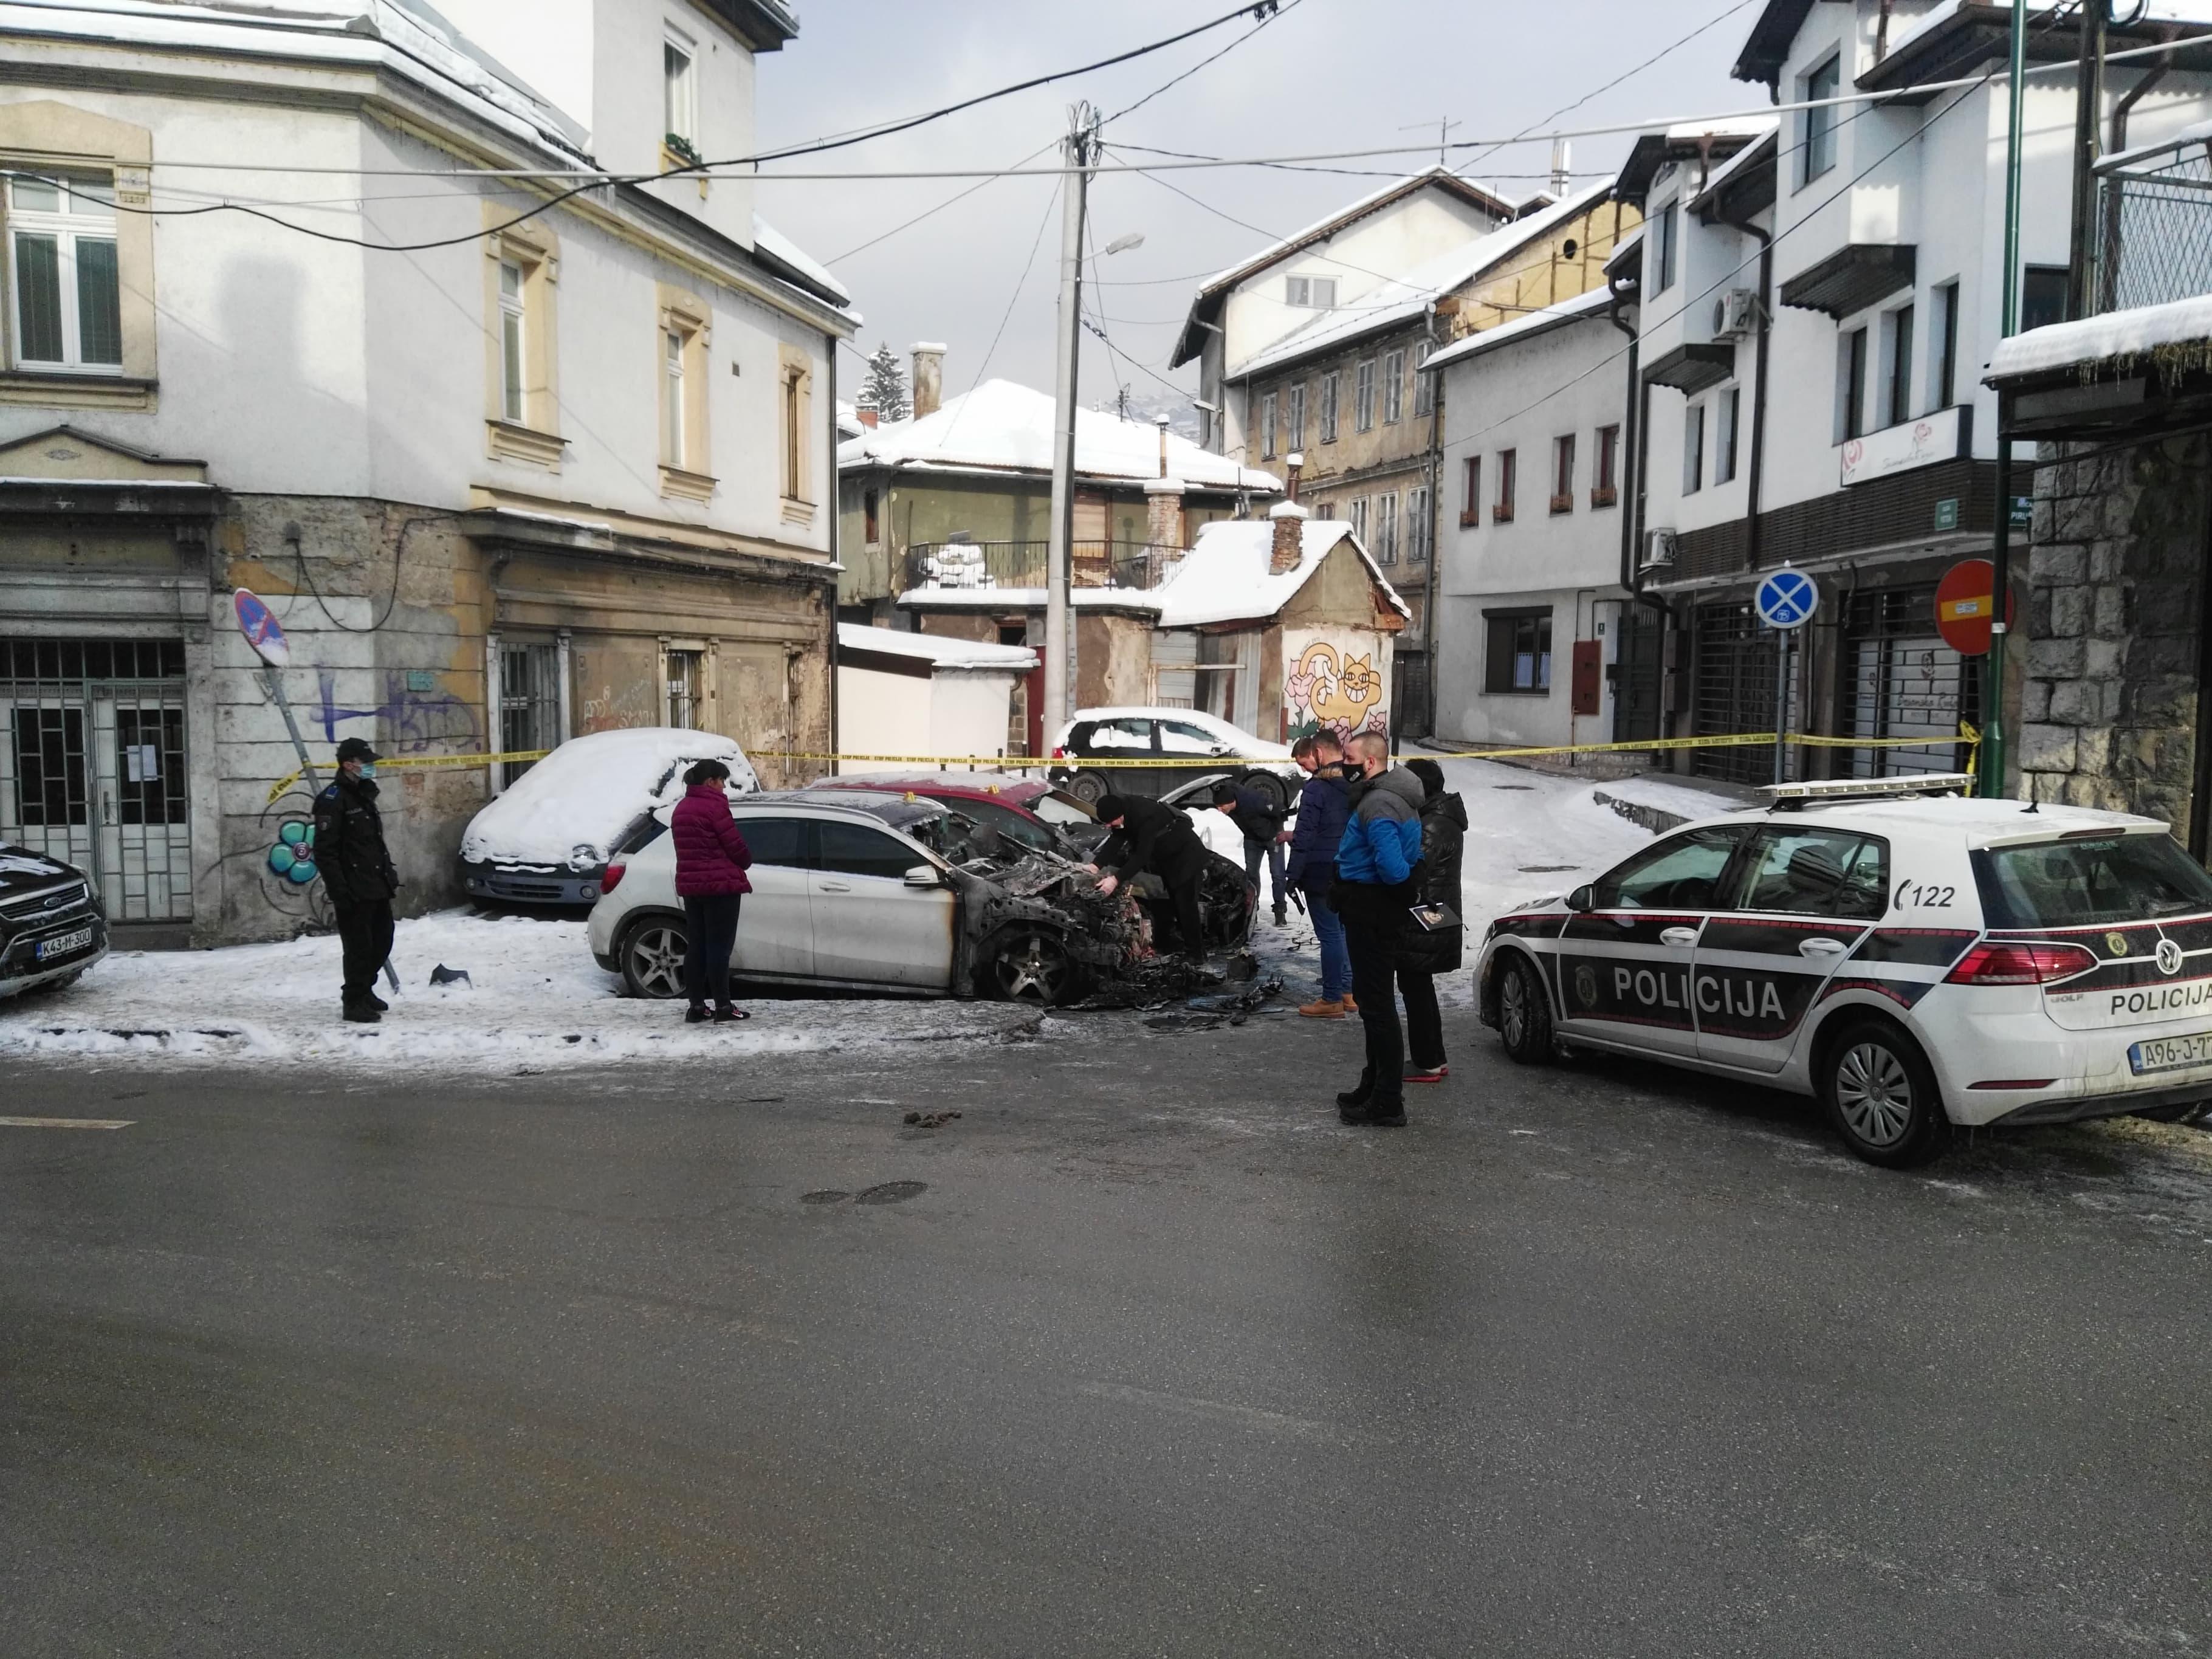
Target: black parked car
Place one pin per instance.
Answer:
(51, 926)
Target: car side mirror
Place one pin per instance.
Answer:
(1584, 897)
(922, 875)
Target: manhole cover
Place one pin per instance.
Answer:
(891, 1192)
(1547, 869)
(828, 1195)
(1513, 785)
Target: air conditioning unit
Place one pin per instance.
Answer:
(1736, 314)
(1658, 550)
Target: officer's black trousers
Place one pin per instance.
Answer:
(1371, 933)
(365, 931)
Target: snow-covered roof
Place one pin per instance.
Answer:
(1028, 598)
(406, 41)
(1001, 426)
(1590, 303)
(1406, 297)
(1330, 223)
(1937, 16)
(774, 243)
(849, 424)
(1750, 156)
(1225, 578)
(2095, 339)
(935, 648)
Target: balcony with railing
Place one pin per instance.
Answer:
(967, 565)
(2154, 232)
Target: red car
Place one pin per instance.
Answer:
(1025, 810)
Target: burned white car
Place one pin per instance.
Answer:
(897, 893)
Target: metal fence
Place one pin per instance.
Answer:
(93, 767)
(963, 564)
(2154, 229)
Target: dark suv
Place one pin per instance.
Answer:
(51, 926)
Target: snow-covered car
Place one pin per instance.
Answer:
(1150, 752)
(1912, 962)
(545, 840)
(52, 926)
(897, 893)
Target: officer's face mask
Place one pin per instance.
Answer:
(367, 769)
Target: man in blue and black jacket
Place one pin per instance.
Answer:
(1323, 806)
(1376, 888)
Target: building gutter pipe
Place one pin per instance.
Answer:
(1757, 471)
(1629, 454)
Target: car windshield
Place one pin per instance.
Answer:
(1054, 807)
(1014, 825)
(2100, 879)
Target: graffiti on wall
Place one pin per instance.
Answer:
(1335, 679)
(414, 714)
(613, 710)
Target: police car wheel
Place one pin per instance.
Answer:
(1524, 1015)
(1881, 1095)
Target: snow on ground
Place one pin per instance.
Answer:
(535, 999)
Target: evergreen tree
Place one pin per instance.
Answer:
(884, 385)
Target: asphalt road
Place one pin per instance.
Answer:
(1152, 1359)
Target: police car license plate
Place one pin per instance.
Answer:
(64, 944)
(2172, 1054)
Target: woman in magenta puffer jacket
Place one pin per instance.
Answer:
(711, 861)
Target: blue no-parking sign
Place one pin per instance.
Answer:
(1786, 598)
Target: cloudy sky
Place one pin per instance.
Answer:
(1326, 74)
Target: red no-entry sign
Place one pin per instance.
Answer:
(1965, 606)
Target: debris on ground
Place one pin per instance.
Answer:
(442, 975)
(929, 1120)
(1210, 1013)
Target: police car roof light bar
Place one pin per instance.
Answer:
(1843, 789)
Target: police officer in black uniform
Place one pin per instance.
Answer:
(357, 874)
(1149, 836)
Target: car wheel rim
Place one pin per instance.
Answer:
(657, 960)
(1874, 1094)
(1514, 1013)
(1032, 971)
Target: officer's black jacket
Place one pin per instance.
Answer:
(349, 849)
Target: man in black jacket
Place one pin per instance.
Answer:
(1430, 951)
(357, 874)
(1260, 822)
(1149, 836)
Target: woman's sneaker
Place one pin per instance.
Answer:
(696, 1014)
(1427, 1073)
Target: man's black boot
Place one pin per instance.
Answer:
(1375, 1114)
(1356, 1099)
(373, 1000)
(363, 1013)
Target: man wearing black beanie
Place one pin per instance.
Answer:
(1149, 836)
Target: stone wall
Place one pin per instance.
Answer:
(2108, 715)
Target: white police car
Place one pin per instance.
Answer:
(1912, 961)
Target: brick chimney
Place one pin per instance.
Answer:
(867, 415)
(928, 390)
(1288, 520)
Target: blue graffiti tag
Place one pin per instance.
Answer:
(413, 719)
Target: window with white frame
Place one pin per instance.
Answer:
(679, 82)
(1417, 525)
(1424, 384)
(1330, 385)
(514, 343)
(1818, 133)
(1356, 516)
(1294, 417)
(686, 680)
(62, 267)
(672, 409)
(1393, 386)
(1267, 426)
(1362, 397)
(1386, 527)
(1319, 293)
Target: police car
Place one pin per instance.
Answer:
(1913, 961)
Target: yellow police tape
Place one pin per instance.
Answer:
(1966, 734)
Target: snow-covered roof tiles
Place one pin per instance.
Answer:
(1590, 304)
(2095, 339)
(1001, 426)
(1225, 578)
(935, 648)
(1405, 298)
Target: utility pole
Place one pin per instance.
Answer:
(2088, 137)
(1080, 147)
(1993, 721)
